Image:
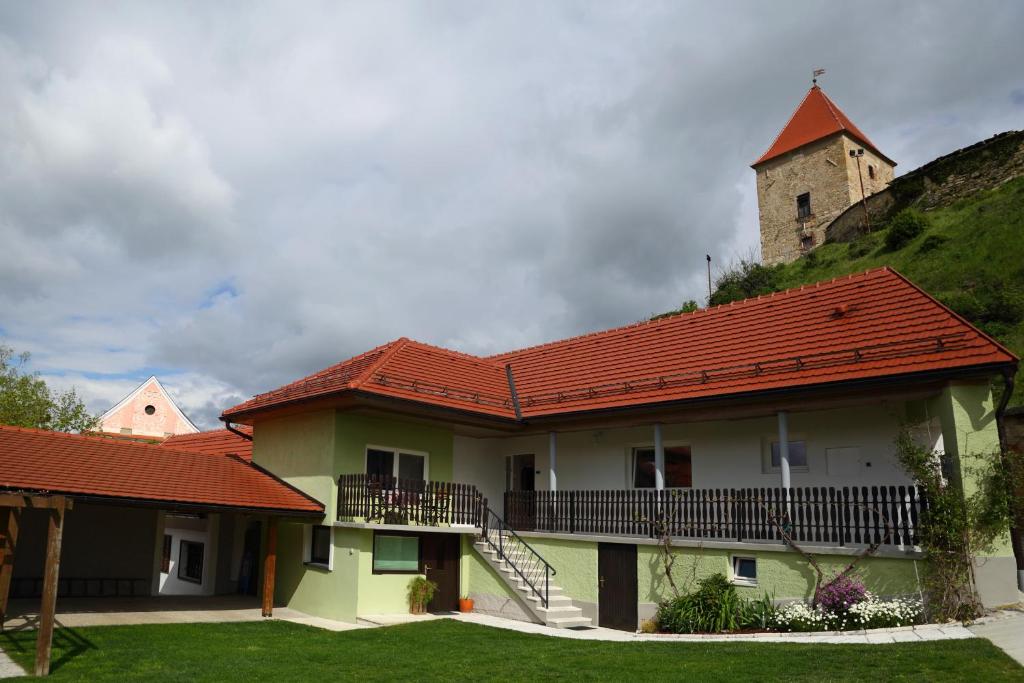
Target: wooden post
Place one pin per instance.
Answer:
(269, 567)
(9, 518)
(51, 576)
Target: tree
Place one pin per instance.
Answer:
(26, 400)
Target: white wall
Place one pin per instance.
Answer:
(727, 453)
(204, 531)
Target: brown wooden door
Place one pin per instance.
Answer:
(441, 565)
(617, 589)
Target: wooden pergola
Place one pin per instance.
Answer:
(11, 507)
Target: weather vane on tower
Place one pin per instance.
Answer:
(815, 74)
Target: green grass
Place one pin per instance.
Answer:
(450, 650)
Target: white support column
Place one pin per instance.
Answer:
(659, 458)
(784, 448)
(552, 462)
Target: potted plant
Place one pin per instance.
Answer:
(465, 604)
(421, 591)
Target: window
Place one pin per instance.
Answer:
(320, 545)
(803, 205)
(744, 571)
(393, 554)
(150, 410)
(126, 430)
(165, 560)
(871, 171)
(190, 561)
(797, 456)
(807, 242)
(678, 467)
(382, 462)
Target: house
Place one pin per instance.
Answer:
(540, 482)
(147, 411)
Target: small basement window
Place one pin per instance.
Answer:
(803, 205)
(190, 561)
(320, 545)
(744, 570)
(394, 554)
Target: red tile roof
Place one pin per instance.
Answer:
(867, 326)
(817, 117)
(42, 461)
(215, 442)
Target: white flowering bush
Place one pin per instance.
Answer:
(872, 612)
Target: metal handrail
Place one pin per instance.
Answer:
(499, 547)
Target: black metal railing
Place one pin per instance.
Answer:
(392, 500)
(532, 569)
(884, 515)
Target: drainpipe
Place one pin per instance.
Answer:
(227, 425)
(552, 471)
(659, 458)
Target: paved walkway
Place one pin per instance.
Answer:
(1006, 630)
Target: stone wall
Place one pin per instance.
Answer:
(941, 182)
(825, 170)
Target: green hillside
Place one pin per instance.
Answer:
(969, 255)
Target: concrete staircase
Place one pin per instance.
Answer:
(559, 612)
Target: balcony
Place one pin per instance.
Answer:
(391, 500)
(861, 515)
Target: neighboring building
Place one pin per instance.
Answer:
(214, 442)
(808, 177)
(536, 481)
(147, 411)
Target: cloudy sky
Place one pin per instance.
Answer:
(231, 195)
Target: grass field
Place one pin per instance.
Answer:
(449, 650)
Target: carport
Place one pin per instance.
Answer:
(126, 495)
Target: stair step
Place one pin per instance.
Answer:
(569, 622)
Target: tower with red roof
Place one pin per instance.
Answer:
(814, 170)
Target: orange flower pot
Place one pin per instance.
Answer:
(465, 604)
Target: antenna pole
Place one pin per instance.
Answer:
(708, 257)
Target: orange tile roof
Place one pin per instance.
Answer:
(817, 117)
(54, 462)
(214, 442)
(867, 326)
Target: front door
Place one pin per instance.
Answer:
(617, 589)
(441, 565)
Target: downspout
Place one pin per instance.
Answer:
(227, 425)
(1015, 525)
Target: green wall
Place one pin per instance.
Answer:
(300, 450)
(781, 575)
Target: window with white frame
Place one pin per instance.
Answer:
(678, 467)
(797, 456)
(744, 570)
(393, 462)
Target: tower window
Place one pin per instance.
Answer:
(803, 205)
(150, 410)
(871, 171)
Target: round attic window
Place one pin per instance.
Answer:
(150, 410)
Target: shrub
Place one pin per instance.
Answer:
(931, 243)
(421, 591)
(869, 613)
(841, 593)
(747, 279)
(904, 227)
(714, 607)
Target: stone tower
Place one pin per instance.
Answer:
(808, 177)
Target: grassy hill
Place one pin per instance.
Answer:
(969, 255)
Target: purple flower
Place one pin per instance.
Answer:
(841, 593)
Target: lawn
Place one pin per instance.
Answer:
(450, 650)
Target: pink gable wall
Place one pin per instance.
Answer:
(132, 415)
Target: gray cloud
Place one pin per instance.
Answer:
(234, 199)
